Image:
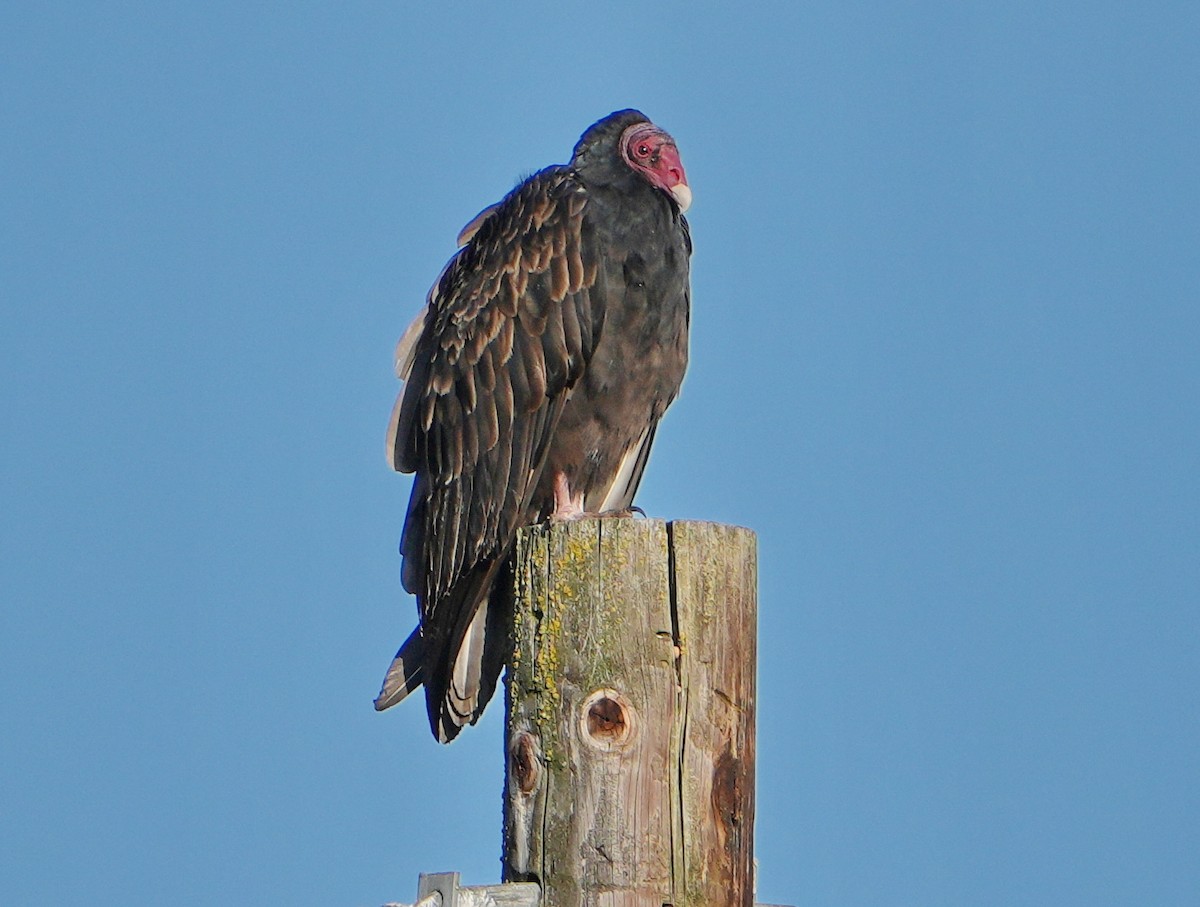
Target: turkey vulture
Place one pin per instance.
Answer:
(535, 376)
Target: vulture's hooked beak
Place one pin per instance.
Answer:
(670, 168)
(683, 195)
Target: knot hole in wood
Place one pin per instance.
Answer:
(526, 762)
(607, 720)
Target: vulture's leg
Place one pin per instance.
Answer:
(570, 507)
(566, 507)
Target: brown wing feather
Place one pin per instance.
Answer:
(510, 329)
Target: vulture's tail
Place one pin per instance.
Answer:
(459, 678)
(405, 673)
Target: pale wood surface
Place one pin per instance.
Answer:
(631, 714)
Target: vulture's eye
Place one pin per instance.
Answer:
(643, 150)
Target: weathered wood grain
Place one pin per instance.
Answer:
(631, 698)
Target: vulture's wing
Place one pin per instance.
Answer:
(509, 327)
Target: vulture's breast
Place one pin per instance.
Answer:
(638, 364)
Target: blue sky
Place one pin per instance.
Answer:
(944, 362)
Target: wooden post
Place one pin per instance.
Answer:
(630, 734)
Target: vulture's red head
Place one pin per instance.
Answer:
(652, 153)
(627, 141)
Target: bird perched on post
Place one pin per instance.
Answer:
(535, 377)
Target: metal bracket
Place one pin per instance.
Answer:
(439, 883)
(442, 889)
